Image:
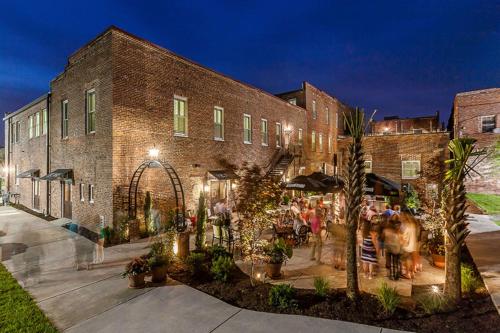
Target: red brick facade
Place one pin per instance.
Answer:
(396, 125)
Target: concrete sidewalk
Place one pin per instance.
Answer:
(42, 256)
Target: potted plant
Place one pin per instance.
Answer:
(159, 266)
(136, 271)
(433, 222)
(277, 253)
(437, 249)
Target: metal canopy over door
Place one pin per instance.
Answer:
(66, 199)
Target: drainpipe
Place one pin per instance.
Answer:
(9, 152)
(47, 138)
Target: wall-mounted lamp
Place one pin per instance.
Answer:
(154, 152)
(234, 186)
(206, 188)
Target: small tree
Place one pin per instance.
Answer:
(354, 192)
(462, 163)
(256, 195)
(201, 221)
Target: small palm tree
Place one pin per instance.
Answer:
(464, 158)
(354, 192)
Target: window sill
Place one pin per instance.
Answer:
(264, 145)
(410, 178)
(219, 139)
(91, 201)
(180, 135)
(91, 133)
(247, 142)
(65, 138)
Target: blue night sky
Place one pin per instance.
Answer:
(402, 58)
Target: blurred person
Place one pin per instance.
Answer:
(410, 245)
(392, 243)
(339, 235)
(316, 221)
(369, 249)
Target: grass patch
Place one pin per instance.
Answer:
(18, 311)
(388, 297)
(489, 203)
(321, 286)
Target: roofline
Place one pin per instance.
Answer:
(289, 92)
(27, 106)
(407, 118)
(304, 83)
(473, 92)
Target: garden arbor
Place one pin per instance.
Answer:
(180, 223)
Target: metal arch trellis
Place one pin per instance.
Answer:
(180, 212)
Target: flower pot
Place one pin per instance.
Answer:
(136, 281)
(438, 260)
(273, 270)
(159, 274)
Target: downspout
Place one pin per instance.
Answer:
(9, 152)
(49, 184)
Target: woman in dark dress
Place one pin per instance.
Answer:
(369, 249)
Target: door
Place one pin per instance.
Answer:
(35, 190)
(66, 199)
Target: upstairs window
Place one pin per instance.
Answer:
(314, 114)
(330, 146)
(30, 126)
(264, 132)
(410, 169)
(368, 166)
(278, 135)
(320, 141)
(82, 192)
(37, 124)
(247, 128)
(300, 138)
(219, 123)
(18, 131)
(91, 193)
(44, 121)
(12, 133)
(313, 141)
(180, 116)
(90, 111)
(64, 119)
(488, 124)
(327, 115)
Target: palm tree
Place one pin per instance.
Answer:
(354, 192)
(462, 163)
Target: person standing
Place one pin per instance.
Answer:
(392, 243)
(410, 244)
(369, 249)
(316, 224)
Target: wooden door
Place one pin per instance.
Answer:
(35, 185)
(66, 200)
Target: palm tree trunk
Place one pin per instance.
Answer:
(453, 285)
(351, 265)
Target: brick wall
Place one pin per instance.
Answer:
(405, 125)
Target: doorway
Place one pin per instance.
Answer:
(66, 199)
(35, 192)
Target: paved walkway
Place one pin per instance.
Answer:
(484, 246)
(42, 257)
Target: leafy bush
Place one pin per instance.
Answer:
(470, 281)
(278, 251)
(321, 286)
(432, 302)
(388, 297)
(196, 263)
(282, 296)
(412, 201)
(217, 251)
(222, 268)
(135, 267)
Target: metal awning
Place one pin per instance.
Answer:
(59, 174)
(29, 174)
(223, 174)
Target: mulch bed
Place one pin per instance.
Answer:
(475, 312)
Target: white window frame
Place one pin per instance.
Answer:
(221, 124)
(249, 117)
(82, 192)
(18, 131)
(16, 171)
(330, 144)
(313, 140)
(90, 113)
(91, 193)
(320, 142)
(278, 136)
(64, 119)
(403, 168)
(368, 169)
(327, 112)
(264, 132)
(44, 121)
(481, 123)
(184, 132)
(314, 113)
(300, 138)
(37, 124)
(30, 127)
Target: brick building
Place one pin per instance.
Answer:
(120, 97)
(397, 125)
(476, 114)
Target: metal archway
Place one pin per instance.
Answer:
(180, 210)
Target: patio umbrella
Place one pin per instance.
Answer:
(305, 183)
(378, 185)
(333, 183)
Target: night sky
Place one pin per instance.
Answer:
(402, 58)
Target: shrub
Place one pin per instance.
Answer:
(321, 286)
(278, 251)
(470, 281)
(388, 297)
(217, 251)
(196, 263)
(222, 268)
(282, 296)
(432, 302)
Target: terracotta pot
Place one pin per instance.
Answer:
(159, 274)
(438, 260)
(136, 281)
(273, 270)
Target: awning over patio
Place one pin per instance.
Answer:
(29, 174)
(315, 182)
(378, 185)
(223, 174)
(59, 174)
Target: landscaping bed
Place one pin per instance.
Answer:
(476, 311)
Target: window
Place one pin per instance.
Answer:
(313, 140)
(314, 114)
(90, 111)
(292, 101)
(37, 124)
(30, 126)
(180, 116)
(44, 121)
(219, 123)
(12, 133)
(330, 144)
(247, 128)
(301, 139)
(410, 169)
(488, 124)
(82, 192)
(64, 119)
(16, 172)
(337, 119)
(264, 132)
(18, 131)
(278, 135)
(91, 193)
(327, 115)
(320, 139)
(368, 166)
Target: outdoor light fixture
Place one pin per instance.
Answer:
(176, 247)
(386, 129)
(206, 188)
(234, 186)
(154, 152)
(435, 289)
(288, 130)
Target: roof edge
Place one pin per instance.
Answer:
(25, 107)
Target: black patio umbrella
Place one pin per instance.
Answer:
(333, 183)
(378, 185)
(305, 183)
